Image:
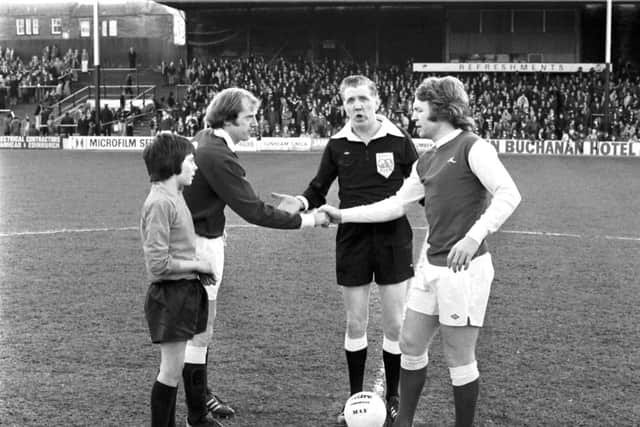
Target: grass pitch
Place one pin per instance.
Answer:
(560, 345)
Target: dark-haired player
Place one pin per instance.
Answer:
(176, 302)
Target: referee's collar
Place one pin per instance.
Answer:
(221, 133)
(386, 128)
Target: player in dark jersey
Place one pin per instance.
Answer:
(451, 288)
(219, 182)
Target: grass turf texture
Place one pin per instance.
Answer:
(560, 345)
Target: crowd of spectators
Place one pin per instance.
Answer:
(301, 97)
(79, 121)
(45, 78)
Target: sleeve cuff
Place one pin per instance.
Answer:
(307, 221)
(304, 201)
(477, 233)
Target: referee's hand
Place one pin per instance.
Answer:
(461, 254)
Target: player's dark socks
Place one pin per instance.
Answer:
(172, 415)
(162, 408)
(195, 390)
(411, 385)
(465, 398)
(391, 372)
(356, 362)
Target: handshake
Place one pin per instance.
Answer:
(323, 216)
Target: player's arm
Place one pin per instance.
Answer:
(485, 164)
(227, 177)
(157, 223)
(385, 210)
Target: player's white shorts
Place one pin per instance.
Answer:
(458, 299)
(212, 250)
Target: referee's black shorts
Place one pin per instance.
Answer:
(381, 252)
(176, 310)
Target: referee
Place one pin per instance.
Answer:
(370, 157)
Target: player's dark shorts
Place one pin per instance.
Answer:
(366, 252)
(176, 310)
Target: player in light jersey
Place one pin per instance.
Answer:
(468, 195)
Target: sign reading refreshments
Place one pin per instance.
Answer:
(505, 67)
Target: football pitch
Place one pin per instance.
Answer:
(560, 345)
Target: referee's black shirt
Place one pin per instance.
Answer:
(365, 174)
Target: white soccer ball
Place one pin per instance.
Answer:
(365, 409)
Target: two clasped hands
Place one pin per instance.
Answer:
(323, 216)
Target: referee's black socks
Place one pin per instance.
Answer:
(356, 352)
(391, 358)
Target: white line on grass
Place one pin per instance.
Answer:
(111, 229)
(65, 230)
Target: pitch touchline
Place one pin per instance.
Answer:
(111, 229)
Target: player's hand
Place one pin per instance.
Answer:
(321, 218)
(334, 213)
(288, 203)
(461, 254)
(207, 279)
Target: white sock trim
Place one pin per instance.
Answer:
(389, 346)
(195, 355)
(414, 363)
(461, 375)
(355, 344)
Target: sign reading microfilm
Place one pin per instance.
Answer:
(134, 143)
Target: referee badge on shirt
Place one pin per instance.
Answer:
(385, 164)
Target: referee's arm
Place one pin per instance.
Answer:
(316, 192)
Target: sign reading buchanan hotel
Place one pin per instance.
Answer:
(505, 67)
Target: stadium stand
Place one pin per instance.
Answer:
(32, 93)
(299, 97)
